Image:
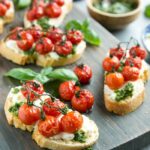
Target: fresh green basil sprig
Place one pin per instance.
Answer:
(21, 4)
(44, 76)
(147, 11)
(90, 35)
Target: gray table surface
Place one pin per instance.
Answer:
(135, 29)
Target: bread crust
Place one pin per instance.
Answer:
(44, 142)
(14, 120)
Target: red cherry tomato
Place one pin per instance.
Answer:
(71, 122)
(84, 73)
(134, 62)
(67, 90)
(82, 101)
(31, 15)
(64, 48)
(14, 33)
(29, 114)
(25, 41)
(6, 3)
(54, 34)
(118, 52)
(36, 33)
(114, 80)
(138, 51)
(53, 108)
(30, 88)
(59, 2)
(111, 64)
(49, 127)
(75, 36)
(44, 46)
(53, 10)
(39, 12)
(3, 10)
(130, 73)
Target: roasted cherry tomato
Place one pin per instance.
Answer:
(75, 36)
(67, 90)
(44, 46)
(71, 122)
(39, 12)
(134, 62)
(55, 34)
(31, 89)
(29, 114)
(138, 51)
(114, 80)
(25, 41)
(82, 101)
(31, 15)
(49, 127)
(111, 64)
(36, 33)
(14, 33)
(64, 48)
(6, 3)
(118, 52)
(84, 73)
(53, 10)
(59, 2)
(130, 73)
(53, 108)
(3, 10)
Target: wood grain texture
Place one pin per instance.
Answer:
(115, 132)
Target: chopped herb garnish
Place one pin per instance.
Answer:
(89, 148)
(124, 93)
(15, 90)
(29, 52)
(43, 22)
(121, 67)
(80, 136)
(14, 109)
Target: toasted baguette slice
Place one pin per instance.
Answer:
(10, 54)
(43, 61)
(14, 120)
(44, 142)
(9, 17)
(128, 105)
(53, 21)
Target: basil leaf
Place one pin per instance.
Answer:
(42, 78)
(80, 136)
(147, 11)
(46, 71)
(73, 24)
(63, 75)
(21, 74)
(43, 22)
(20, 4)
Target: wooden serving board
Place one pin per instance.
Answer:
(127, 132)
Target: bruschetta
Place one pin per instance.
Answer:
(44, 13)
(54, 126)
(6, 13)
(51, 48)
(125, 75)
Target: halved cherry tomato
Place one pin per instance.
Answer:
(134, 62)
(31, 89)
(71, 122)
(39, 12)
(29, 114)
(44, 46)
(59, 2)
(54, 34)
(84, 73)
(114, 80)
(67, 90)
(64, 48)
(53, 108)
(53, 10)
(49, 127)
(3, 10)
(130, 73)
(111, 64)
(25, 41)
(6, 3)
(31, 15)
(118, 52)
(82, 101)
(14, 33)
(75, 36)
(138, 51)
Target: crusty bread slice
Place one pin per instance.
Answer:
(9, 17)
(14, 120)
(43, 61)
(18, 58)
(65, 145)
